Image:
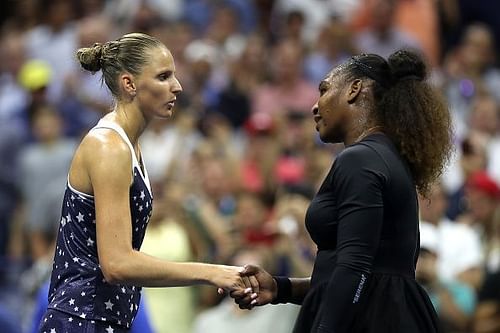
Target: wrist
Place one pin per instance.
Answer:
(282, 292)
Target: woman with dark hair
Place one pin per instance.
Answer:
(98, 270)
(364, 218)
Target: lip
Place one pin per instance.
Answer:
(317, 118)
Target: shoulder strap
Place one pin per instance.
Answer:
(114, 126)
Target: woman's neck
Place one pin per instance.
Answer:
(131, 120)
(357, 136)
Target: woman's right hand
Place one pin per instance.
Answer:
(229, 279)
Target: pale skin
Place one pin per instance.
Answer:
(102, 167)
(341, 115)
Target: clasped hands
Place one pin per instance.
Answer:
(257, 287)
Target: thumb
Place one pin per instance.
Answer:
(220, 291)
(249, 270)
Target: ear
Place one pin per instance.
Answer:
(128, 85)
(354, 90)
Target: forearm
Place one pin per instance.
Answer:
(140, 269)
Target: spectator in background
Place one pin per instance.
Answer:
(487, 314)
(407, 18)
(13, 97)
(224, 31)
(21, 15)
(128, 13)
(54, 41)
(171, 310)
(14, 130)
(382, 36)
(293, 248)
(43, 165)
(458, 248)
(454, 301)
(257, 166)
(470, 157)
(83, 100)
(482, 197)
(314, 13)
(251, 221)
(288, 90)
(35, 77)
(202, 88)
(8, 323)
(332, 47)
(485, 120)
(168, 146)
(470, 72)
(246, 74)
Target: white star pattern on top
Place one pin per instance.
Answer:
(109, 305)
(77, 284)
(79, 217)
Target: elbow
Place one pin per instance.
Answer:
(113, 272)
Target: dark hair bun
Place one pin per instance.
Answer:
(407, 65)
(90, 57)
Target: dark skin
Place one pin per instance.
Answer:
(341, 115)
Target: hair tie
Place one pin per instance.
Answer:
(370, 72)
(99, 53)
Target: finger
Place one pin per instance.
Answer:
(249, 270)
(246, 282)
(239, 293)
(254, 283)
(244, 301)
(244, 305)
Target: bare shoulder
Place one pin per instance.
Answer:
(104, 141)
(101, 153)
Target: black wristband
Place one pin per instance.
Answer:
(284, 294)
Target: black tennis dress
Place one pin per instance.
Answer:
(364, 220)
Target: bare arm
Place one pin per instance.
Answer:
(108, 161)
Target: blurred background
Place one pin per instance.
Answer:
(234, 169)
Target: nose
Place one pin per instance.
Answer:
(314, 109)
(176, 87)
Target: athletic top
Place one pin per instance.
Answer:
(77, 283)
(364, 220)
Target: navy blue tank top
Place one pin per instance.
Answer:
(78, 286)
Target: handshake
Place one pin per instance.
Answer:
(251, 286)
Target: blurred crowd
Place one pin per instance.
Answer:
(234, 169)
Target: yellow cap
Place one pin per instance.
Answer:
(34, 74)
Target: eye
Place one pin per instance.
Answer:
(165, 76)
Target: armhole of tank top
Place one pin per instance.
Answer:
(84, 195)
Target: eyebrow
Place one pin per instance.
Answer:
(323, 85)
